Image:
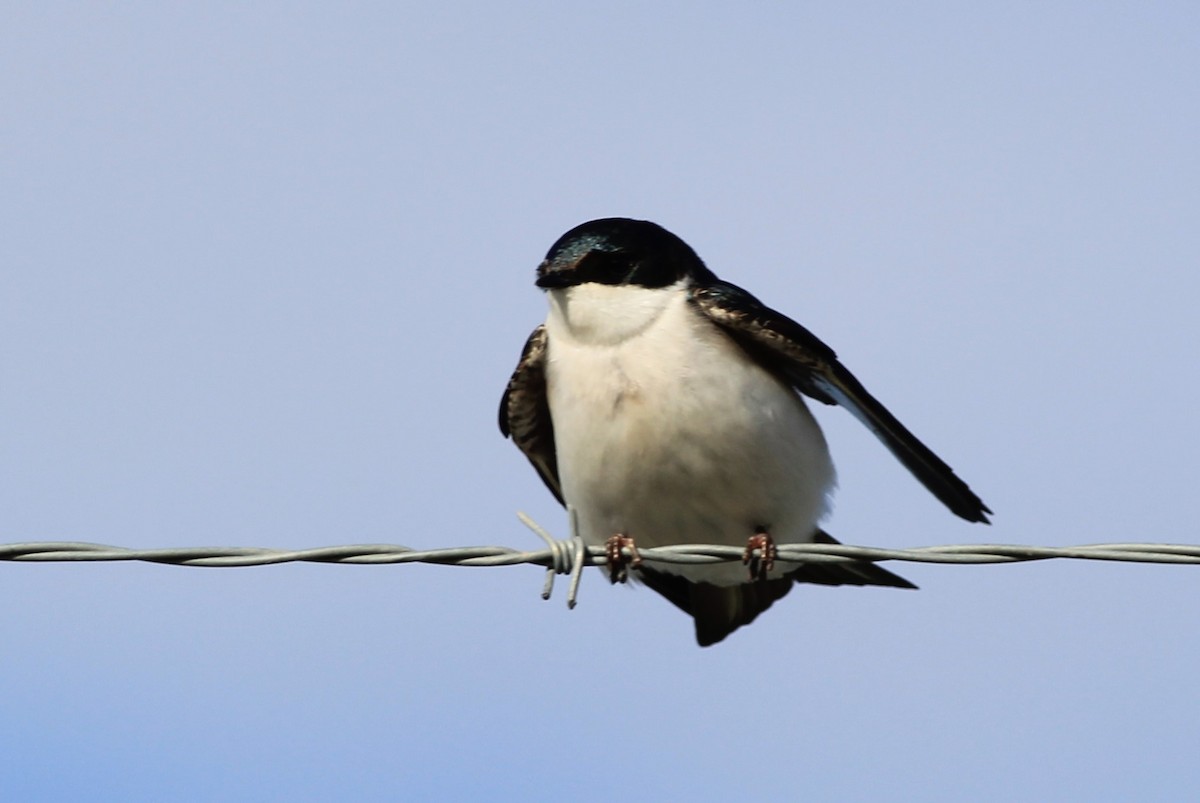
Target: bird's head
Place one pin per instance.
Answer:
(619, 251)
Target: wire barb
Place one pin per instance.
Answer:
(562, 560)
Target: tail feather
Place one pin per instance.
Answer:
(720, 610)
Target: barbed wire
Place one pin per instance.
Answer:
(569, 556)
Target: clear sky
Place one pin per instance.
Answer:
(267, 267)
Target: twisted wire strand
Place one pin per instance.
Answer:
(569, 556)
(560, 557)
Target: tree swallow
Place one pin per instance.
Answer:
(663, 406)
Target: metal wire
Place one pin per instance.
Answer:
(66, 551)
(569, 556)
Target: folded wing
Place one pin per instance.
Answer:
(803, 361)
(525, 412)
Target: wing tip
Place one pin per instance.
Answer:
(974, 511)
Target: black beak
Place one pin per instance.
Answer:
(554, 279)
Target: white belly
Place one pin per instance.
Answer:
(667, 433)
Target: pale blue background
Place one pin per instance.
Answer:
(266, 268)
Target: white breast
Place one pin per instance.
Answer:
(667, 432)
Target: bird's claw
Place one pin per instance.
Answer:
(618, 563)
(763, 562)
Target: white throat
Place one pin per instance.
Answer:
(605, 314)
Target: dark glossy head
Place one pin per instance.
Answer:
(616, 251)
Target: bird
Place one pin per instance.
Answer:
(662, 405)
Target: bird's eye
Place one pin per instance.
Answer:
(605, 267)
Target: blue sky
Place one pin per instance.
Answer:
(267, 269)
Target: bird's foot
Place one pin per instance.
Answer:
(762, 563)
(618, 563)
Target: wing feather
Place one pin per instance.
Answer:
(802, 360)
(525, 412)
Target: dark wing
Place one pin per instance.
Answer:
(850, 573)
(525, 412)
(802, 360)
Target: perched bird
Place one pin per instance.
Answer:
(664, 406)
